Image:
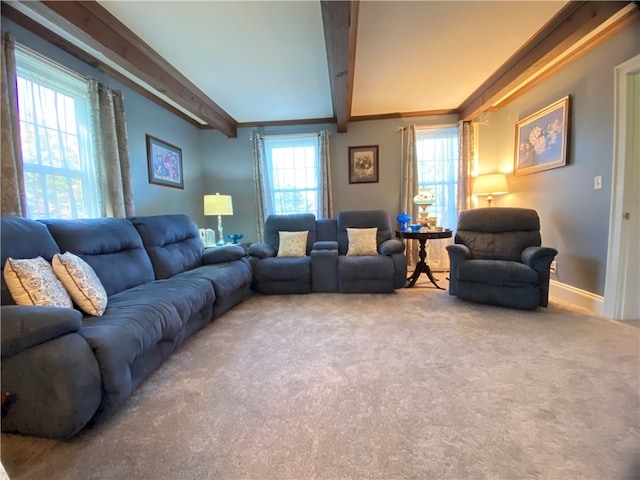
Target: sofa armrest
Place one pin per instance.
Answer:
(24, 327)
(325, 245)
(458, 253)
(391, 246)
(261, 250)
(539, 258)
(226, 253)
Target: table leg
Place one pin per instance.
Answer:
(422, 267)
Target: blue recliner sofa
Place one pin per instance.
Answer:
(325, 265)
(64, 369)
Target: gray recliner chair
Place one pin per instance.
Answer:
(497, 258)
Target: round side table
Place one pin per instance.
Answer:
(423, 266)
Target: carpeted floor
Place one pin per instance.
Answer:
(416, 384)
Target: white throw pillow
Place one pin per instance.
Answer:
(32, 282)
(293, 244)
(362, 241)
(81, 282)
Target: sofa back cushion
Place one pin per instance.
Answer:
(362, 219)
(111, 246)
(172, 241)
(499, 233)
(326, 229)
(22, 238)
(298, 222)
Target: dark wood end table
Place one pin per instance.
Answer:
(423, 266)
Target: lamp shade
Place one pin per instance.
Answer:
(491, 184)
(218, 205)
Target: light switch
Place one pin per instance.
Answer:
(597, 182)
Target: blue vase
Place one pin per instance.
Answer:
(403, 219)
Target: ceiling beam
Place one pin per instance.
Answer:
(340, 24)
(574, 21)
(94, 26)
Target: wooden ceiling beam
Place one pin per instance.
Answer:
(340, 24)
(574, 21)
(93, 25)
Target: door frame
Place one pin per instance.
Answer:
(617, 290)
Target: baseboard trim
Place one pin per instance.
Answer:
(581, 298)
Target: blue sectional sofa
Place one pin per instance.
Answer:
(64, 369)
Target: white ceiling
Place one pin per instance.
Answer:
(265, 61)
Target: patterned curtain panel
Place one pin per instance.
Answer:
(326, 197)
(261, 183)
(13, 201)
(112, 152)
(409, 186)
(466, 165)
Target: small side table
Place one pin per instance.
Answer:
(422, 266)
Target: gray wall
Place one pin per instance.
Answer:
(574, 216)
(229, 168)
(143, 116)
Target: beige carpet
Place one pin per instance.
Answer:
(415, 384)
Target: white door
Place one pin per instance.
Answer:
(622, 288)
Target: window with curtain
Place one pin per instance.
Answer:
(293, 170)
(437, 151)
(56, 135)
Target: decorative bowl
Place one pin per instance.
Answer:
(415, 227)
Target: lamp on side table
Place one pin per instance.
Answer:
(218, 205)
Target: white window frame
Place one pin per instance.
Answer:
(52, 126)
(438, 169)
(293, 171)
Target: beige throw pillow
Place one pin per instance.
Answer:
(362, 241)
(293, 244)
(81, 282)
(32, 282)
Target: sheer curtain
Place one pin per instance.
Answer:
(326, 198)
(261, 183)
(114, 170)
(465, 168)
(13, 199)
(409, 185)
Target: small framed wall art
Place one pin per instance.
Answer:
(541, 139)
(165, 163)
(363, 164)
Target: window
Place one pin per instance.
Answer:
(56, 135)
(438, 155)
(292, 163)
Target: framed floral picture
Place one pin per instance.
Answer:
(363, 164)
(165, 163)
(541, 139)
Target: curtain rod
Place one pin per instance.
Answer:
(290, 135)
(427, 127)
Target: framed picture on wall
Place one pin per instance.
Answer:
(541, 139)
(363, 164)
(165, 163)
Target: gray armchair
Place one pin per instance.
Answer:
(497, 258)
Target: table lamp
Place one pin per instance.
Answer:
(218, 205)
(489, 185)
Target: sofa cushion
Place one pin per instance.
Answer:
(81, 282)
(497, 272)
(173, 243)
(135, 321)
(32, 282)
(293, 244)
(23, 238)
(111, 246)
(299, 222)
(362, 219)
(226, 278)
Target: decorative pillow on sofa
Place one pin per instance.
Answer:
(32, 282)
(293, 244)
(362, 241)
(81, 282)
